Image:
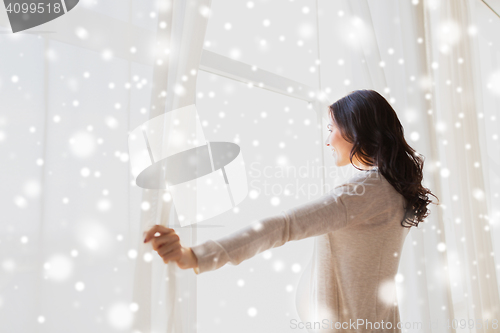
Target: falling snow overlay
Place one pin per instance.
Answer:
(73, 89)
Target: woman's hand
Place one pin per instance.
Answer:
(168, 246)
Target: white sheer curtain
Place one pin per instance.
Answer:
(168, 301)
(71, 250)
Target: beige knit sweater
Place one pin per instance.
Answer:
(358, 243)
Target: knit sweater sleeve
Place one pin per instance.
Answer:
(316, 217)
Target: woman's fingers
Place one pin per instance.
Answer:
(156, 228)
(159, 241)
(166, 248)
(165, 240)
(175, 254)
(167, 243)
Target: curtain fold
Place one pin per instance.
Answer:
(178, 47)
(458, 106)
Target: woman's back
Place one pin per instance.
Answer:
(351, 276)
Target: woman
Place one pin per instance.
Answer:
(360, 225)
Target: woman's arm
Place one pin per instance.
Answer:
(325, 214)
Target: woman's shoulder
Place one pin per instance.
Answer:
(368, 185)
(371, 186)
(371, 178)
(366, 175)
(366, 194)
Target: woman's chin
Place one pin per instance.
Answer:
(336, 160)
(338, 163)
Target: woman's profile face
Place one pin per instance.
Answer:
(340, 147)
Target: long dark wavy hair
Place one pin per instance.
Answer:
(368, 121)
